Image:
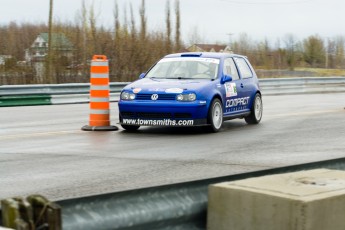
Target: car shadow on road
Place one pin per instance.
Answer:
(200, 130)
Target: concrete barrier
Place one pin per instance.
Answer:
(305, 200)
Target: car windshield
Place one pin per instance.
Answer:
(185, 68)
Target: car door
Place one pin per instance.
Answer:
(235, 97)
(247, 80)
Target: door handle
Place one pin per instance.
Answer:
(241, 85)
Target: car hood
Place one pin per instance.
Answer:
(167, 85)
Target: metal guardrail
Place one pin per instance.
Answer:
(305, 85)
(54, 89)
(15, 95)
(20, 95)
(115, 87)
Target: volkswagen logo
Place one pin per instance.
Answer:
(154, 97)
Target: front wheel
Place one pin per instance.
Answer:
(215, 115)
(131, 127)
(256, 111)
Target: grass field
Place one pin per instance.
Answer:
(324, 72)
(300, 72)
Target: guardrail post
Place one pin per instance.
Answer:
(99, 96)
(34, 212)
(45, 213)
(17, 214)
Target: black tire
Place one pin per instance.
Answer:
(215, 116)
(129, 127)
(256, 111)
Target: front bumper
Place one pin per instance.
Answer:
(163, 113)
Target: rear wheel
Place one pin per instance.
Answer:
(215, 115)
(256, 111)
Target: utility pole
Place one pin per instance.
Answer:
(326, 53)
(230, 41)
(50, 76)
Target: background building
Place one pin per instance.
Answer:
(210, 48)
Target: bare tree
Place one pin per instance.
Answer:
(290, 44)
(244, 45)
(84, 26)
(50, 76)
(143, 20)
(194, 36)
(133, 28)
(339, 52)
(314, 51)
(264, 54)
(178, 26)
(93, 30)
(168, 28)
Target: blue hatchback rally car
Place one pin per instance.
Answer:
(193, 89)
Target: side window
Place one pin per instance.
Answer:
(243, 68)
(230, 69)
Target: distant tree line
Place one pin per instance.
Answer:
(132, 48)
(289, 52)
(129, 46)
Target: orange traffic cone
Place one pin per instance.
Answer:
(99, 96)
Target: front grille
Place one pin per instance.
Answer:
(145, 115)
(154, 115)
(161, 97)
(182, 115)
(148, 115)
(128, 114)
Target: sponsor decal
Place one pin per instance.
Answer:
(234, 109)
(158, 122)
(230, 89)
(237, 102)
(156, 90)
(136, 90)
(208, 60)
(174, 90)
(151, 83)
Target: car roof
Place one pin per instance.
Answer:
(203, 55)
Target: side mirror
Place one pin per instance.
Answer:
(225, 78)
(142, 75)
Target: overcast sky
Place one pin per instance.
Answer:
(213, 19)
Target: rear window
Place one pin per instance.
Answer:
(243, 67)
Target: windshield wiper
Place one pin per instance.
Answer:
(179, 78)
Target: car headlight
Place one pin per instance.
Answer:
(186, 97)
(127, 96)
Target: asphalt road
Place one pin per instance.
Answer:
(43, 150)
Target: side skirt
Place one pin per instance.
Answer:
(234, 116)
